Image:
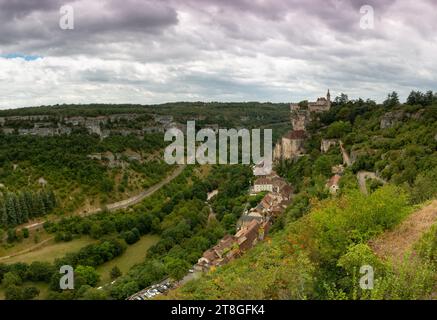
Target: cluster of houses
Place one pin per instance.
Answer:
(253, 225)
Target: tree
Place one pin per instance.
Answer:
(14, 292)
(40, 271)
(10, 209)
(342, 99)
(87, 274)
(419, 98)
(25, 233)
(392, 100)
(30, 293)
(94, 294)
(11, 278)
(177, 268)
(322, 166)
(338, 129)
(131, 236)
(12, 235)
(229, 221)
(115, 272)
(24, 208)
(3, 215)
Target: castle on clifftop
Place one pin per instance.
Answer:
(291, 145)
(321, 105)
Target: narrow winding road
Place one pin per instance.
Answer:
(362, 176)
(111, 207)
(346, 159)
(123, 204)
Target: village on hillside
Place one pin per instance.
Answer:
(255, 223)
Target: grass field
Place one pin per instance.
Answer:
(134, 254)
(8, 249)
(51, 251)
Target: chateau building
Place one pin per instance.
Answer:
(291, 145)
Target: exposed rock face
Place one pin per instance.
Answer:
(57, 125)
(327, 144)
(290, 146)
(390, 119)
(117, 160)
(299, 120)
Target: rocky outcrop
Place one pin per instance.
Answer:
(290, 146)
(326, 144)
(299, 120)
(102, 126)
(390, 119)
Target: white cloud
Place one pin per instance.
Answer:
(158, 51)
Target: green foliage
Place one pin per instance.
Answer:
(115, 272)
(89, 293)
(14, 292)
(338, 129)
(357, 220)
(424, 187)
(86, 275)
(419, 98)
(392, 100)
(269, 271)
(11, 279)
(18, 208)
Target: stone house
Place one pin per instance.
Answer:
(333, 184)
(290, 146)
(262, 184)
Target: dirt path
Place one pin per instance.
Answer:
(346, 159)
(392, 245)
(139, 197)
(362, 176)
(30, 249)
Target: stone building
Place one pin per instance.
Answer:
(262, 184)
(320, 105)
(290, 146)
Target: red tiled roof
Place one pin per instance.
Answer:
(263, 181)
(296, 134)
(334, 180)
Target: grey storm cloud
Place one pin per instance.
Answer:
(151, 51)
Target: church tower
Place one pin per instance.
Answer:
(328, 98)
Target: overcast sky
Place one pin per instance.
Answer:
(153, 51)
